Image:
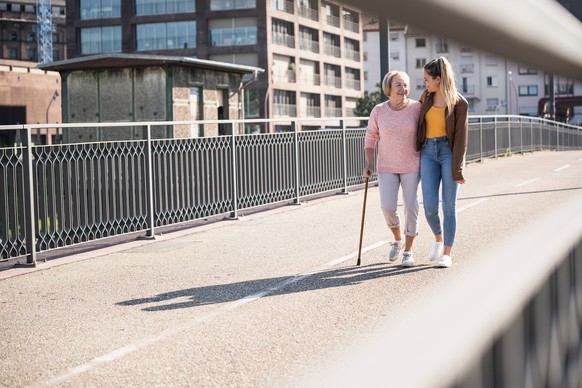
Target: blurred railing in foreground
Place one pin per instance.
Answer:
(511, 319)
(55, 196)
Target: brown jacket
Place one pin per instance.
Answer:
(457, 128)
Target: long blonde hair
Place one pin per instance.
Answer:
(442, 68)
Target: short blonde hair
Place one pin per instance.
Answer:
(387, 81)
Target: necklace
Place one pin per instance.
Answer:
(399, 107)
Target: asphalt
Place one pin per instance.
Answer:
(253, 302)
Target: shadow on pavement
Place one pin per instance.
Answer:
(223, 293)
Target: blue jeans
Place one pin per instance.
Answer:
(436, 161)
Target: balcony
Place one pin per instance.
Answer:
(284, 39)
(333, 21)
(330, 80)
(352, 54)
(312, 111)
(333, 111)
(334, 51)
(286, 76)
(285, 110)
(310, 79)
(351, 26)
(308, 13)
(309, 45)
(282, 5)
(354, 84)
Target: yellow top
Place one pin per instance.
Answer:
(435, 122)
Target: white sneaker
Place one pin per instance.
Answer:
(395, 251)
(407, 259)
(436, 251)
(445, 262)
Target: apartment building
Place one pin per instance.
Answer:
(18, 30)
(311, 49)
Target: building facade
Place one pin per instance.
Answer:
(29, 96)
(311, 49)
(18, 30)
(491, 84)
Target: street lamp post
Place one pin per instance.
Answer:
(512, 86)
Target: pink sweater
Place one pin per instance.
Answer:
(395, 132)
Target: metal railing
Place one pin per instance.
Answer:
(512, 319)
(54, 196)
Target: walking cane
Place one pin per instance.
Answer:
(362, 227)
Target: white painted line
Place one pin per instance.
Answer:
(527, 182)
(147, 341)
(562, 168)
(472, 204)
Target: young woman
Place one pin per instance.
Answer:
(392, 126)
(442, 142)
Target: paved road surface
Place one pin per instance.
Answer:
(257, 302)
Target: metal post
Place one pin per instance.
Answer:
(552, 102)
(150, 183)
(384, 51)
(521, 133)
(481, 139)
(297, 191)
(509, 135)
(345, 157)
(31, 224)
(234, 214)
(495, 134)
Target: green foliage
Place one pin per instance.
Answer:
(365, 104)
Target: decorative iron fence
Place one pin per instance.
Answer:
(60, 195)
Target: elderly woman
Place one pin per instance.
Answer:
(392, 126)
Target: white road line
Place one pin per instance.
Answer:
(527, 182)
(472, 204)
(147, 341)
(562, 168)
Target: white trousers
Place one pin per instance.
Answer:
(389, 186)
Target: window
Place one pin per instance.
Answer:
(100, 9)
(12, 53)
(420, 62)
(158, 7)
(331, 45)
(251, 103)
(233, 32)
(526, 70)
(283, 33)
(420, 42)
(420, 84)
(394, 36)
(333, 106)
(166, 36)
(492, 81)
(100, 40)
(219, 5)
(31, 54)
(442, 46)
(395, 55)
(352, 78)
(13, 36)
(528, 90)
(467, 67)
(490, 60)
(492, 104)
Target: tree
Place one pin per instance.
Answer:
(364, 105)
